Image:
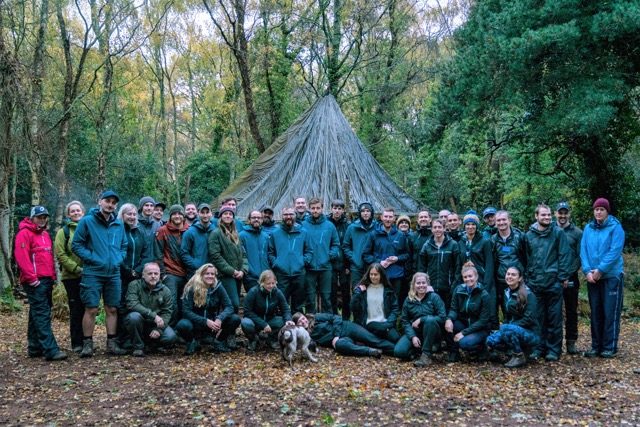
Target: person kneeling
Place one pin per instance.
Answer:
(518, 333)
(423, 315)
(208, 312)
(149, 306)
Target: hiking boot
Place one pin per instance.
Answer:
(252, 345)
(495, 356)
(114, 348)
(232, 343)
(77, 349)
(274, 345)
(482, 356)
(551, 357)
(219, 347)
(591, 353)
(517, 360)
(138, 352)
(608, 354)
(571, 347)
(375, 353)
(424, 361)
(191, 347)
(536, 354)
(87, 348)
(61, 355)
(454, 357)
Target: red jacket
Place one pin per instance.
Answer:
(168, 242)
(34, 253)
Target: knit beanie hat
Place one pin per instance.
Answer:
(176, 209)
(365, 205)
(602, 203)
(145, 200)
(227, 208)
(471, 216)
(401, 218)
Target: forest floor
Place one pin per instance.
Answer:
(258, 389)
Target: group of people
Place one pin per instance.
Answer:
(363, 288)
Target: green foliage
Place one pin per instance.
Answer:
(8, 302)
(209, 175)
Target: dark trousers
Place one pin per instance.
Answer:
(293, 289)
(176, 286)
(76, 310)
(445, 296)
(39, 333)
(549, 300)
(379, 329)
(499, 304)
(122, 309)
(429, 331)
(356, 275)
(513, 338)
(139, 329)
(341, 281)
(188, 331)
(249, 327)
(318, 281)
(570, 296)
(605, 299)
(232, 286)
(352, 334)
(249, 284)
(471, 343)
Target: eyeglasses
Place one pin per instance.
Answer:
(288, 214)
(255, 217)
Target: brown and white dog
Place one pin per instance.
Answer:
(292, 338)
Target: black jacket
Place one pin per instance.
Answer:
(478, 251)
(218, 306)
(442, 264)
(548, 256)
(473, 310)
(431, 307)
(507, 253)
(526, 317)
(359, 307)
(262, 306)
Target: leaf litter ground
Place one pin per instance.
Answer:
(259, 389)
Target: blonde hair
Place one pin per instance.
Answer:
(71, 203)
(469, 266)
(126, 208)
(412, 287)
(199, 287)
(265, 276)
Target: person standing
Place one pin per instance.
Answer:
(194, 249)
(148, 225)
(300, 205)
(355, 242)
(71, 271)
(453, 226)
(100, 241)
(340, 280)
(489, 218)
(419, 237)
(602, 263)
(570, 292)
(190, 213)
(158, 213)
(268, 223)
(256, 245)
(34, 256)
(323, 238)
(547, 275)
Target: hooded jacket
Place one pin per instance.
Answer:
(150, 302)
(34, 252)
(255, 243)
(341, 224)
(168, 242)
(261, 306)
(508, 252)
(355, 242)
(100, 243)
(217, 306)
(525, 317)
(323, 238)
(325, 328)
(574, 239)
(70, 263)
(548, 258)
(381, 245)
(472, 309)
(289, 250)
(430, 308)
(478, 251)
(416, 242)
(359, 307)
(442, 264)
(269, 227)
(601, 248)
(194, 249)
(138, 251)
(148, 227)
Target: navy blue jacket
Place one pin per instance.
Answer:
(382, 245)
(323, 238)
(255, 243)
(525, 317)
(431, 307)
(194, 249)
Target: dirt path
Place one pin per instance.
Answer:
(258, 389)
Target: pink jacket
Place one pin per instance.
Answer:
(34, 253)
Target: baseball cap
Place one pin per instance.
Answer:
(38, 210)
(110, 193)
(563, 205)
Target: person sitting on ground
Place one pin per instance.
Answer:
(469, 320)
(149, 305)
(331, 331)
(208, 312)
(374, 304)
(265, 311)
(519, 332)
(423, 316)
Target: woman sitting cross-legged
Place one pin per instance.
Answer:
(423, 315)
(265, 311)
(208, 312)
(519, 332)
(374, 304)
(330, 330)
(469, 320)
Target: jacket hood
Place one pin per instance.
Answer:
(171, 227)
(197, 224)
(611, 221)
(341, 220)
(112, 217)
(380, 229)
(145, 221)
(366, 227)
(250, 229)
(322, 218)
(476, 237)
(30, 225)
(129, 228)
(423, 230)
(295, 229)
(432, 240)
(534, 228)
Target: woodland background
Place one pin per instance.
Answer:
(465, 103)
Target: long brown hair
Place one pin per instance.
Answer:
(200, 288)
(522, 289)
(229, 231)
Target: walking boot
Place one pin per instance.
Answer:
(424, 361)
(191, 348)
(114, 348)
(375, 353)
(571, 347)
(232, 343)
(517, 360)
(87, 348)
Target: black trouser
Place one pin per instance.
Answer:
(430, 333)
(549, 304)
(39, 332)
(76, 310)
(445, 296)
(380, 330)
(176, 286)
(499, 305)
(121, 331)
(292, 287)
(188, 331)
(353, 333)
(570, 296)
(342, 281)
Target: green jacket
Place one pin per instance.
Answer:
(149, 303)
(226, 255)
(70, 263)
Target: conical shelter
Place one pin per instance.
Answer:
(318, 156)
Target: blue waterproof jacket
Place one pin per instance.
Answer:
(194, 249)
(323, 238)
(601, 247)
(355, 242)
(289, 250)
(255, 243)
(382, 245)
(101, 244)
(139, 252)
